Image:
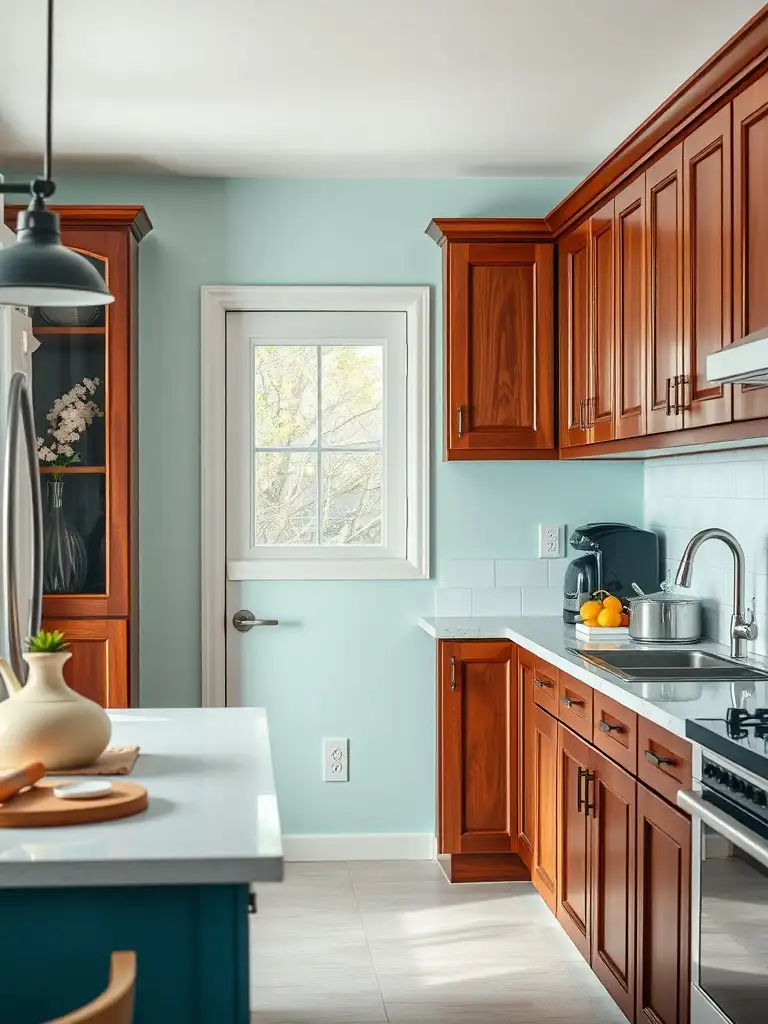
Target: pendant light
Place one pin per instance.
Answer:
(37, 270)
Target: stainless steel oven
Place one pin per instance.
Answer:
(729, 940)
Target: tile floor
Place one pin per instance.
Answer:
(370, 942)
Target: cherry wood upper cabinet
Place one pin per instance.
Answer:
(499, 398)
(707, 268)
(631, 308)
(603, 325)
(750, 232)
(663, 911)
(664, 202)
(478, 747)
(574, 285)
(574, 839)
(613, 881)
(544, 863)
(526, 777)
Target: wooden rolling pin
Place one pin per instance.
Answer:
(15, 781)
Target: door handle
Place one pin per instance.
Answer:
(460, 420)
(657, 761)
(669, 396)
(244, 621)
(453, 672)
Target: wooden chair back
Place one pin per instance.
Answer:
(115, 1004)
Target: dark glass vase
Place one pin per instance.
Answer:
(65, 564)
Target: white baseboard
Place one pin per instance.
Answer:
(361, 846)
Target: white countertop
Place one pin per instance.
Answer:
(212, 816)
(548, 637)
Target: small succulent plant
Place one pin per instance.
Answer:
(46, 643)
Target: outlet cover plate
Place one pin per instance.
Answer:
(336, 760)
(550, 541)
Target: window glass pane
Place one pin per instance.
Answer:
(285, 498)
(285, 395)
(351, 498)
(351, 394)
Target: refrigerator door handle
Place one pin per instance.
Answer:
(21, 415)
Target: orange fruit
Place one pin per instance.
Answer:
(590, 610)
(609, 618)
(624, 619)
(613, 603)
(591, 622)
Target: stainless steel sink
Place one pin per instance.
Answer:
(670, 665)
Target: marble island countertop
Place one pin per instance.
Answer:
(667, 704)
(212, 816)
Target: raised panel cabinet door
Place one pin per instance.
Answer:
(750, 232)
(630, 310)
(526, 770)
(479, 757)
(574, 343)
(613, 881)
(663, 911)
(98, 668)
(544, 865)
(574, 839)
(664, 203)
(500, 359)
(603, 325)
(707, 268)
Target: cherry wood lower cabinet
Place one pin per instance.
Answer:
(663, 911)
(478, 759)
(527, 774)
(596, 863)
(545, 813)
(98, 668)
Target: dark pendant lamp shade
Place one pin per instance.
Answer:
(37, 270)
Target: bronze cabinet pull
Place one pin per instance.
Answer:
(589, 777)
(609, 727)
(453, 672)
(680, 381)
(669, 396)
(460, 420)
(543, 684)
(571, 702)
(581, 773)
(657, 761)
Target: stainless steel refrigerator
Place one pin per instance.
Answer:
(21, 519)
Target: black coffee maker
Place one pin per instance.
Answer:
(615, 556)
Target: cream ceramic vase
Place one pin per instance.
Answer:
(45, 720)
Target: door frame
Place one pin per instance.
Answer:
(216, 302)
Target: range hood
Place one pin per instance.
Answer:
(744, 362)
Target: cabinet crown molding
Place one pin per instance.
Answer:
(492, 229)
(104, 217)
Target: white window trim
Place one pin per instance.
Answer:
(216, 302)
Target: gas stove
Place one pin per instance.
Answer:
(741, 736)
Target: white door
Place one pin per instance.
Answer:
(316, 488)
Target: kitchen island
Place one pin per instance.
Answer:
(172, 883)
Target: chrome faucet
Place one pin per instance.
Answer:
(742, 628)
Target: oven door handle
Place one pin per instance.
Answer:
(747, 840)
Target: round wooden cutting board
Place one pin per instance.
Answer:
(38, 807)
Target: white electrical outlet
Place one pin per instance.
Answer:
(336, 760)
(550, 541)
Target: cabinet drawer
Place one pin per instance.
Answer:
(574, 705)
(663, 760)
(615, 731)
(545, 686)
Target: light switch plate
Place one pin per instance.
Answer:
(550, 541)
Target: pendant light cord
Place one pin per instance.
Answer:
(47, 159)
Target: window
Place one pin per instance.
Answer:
(327, 444)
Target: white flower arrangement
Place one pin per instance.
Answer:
(69, 417)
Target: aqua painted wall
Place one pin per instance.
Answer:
(354, 664)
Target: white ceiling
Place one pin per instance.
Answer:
(348, 87)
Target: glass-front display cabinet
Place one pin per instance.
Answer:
(84, 387)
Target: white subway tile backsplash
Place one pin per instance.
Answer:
(522, 572)
(542, 601)
(728, 489)
(451, 601)
(501, 601)
(468, 572)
